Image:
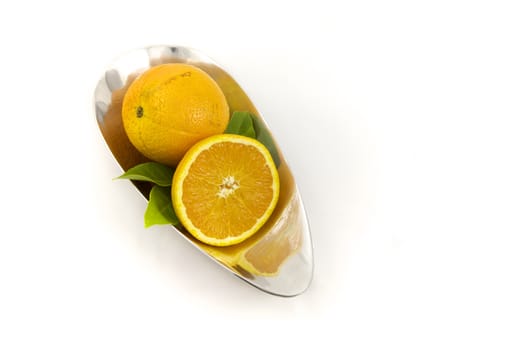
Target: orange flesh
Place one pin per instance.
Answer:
(237, 211)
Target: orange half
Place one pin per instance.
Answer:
(225, 188)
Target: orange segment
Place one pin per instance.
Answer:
(225, 188)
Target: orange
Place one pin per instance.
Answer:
(225, 188)
(169, 108)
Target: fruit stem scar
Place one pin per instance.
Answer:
(140, 112)
(227, 187)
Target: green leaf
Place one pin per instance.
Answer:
(263, 136)
(160, 208)
(241, 123)
(247, 124)
(157, 173)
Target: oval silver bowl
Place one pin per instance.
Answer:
(278, 259)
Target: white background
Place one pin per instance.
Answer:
(404, 125)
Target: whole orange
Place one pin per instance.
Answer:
(169, 108)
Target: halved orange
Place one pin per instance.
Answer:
(225, 188)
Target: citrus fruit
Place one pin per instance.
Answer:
(225, 188)
(169, 108)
